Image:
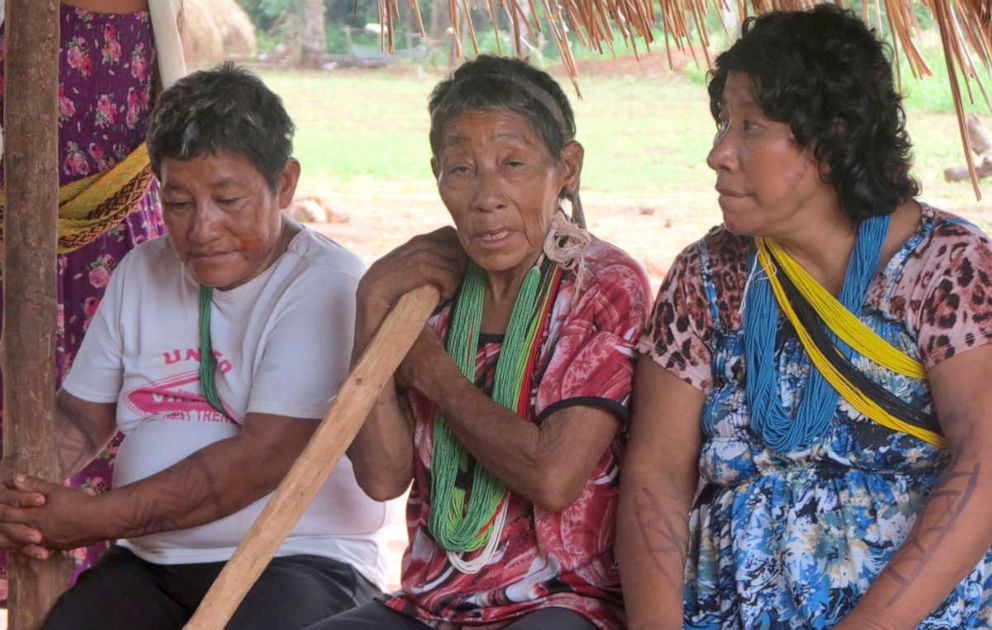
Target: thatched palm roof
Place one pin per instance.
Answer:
(965, 30)
(213, 30)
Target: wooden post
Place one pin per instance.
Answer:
(29, 310)
(981, 143)
(336, 431)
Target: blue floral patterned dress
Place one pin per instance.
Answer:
(793, 540)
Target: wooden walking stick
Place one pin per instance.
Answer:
(351, 406)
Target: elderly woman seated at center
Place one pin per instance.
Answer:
(512, 402)
(215, 351)
(822, 360)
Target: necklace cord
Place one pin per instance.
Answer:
(767, 299)
(459, 527)
(208, 362)
(889, 410)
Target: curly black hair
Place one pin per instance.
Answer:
(825, 73)
(491, 82)
(225, 108)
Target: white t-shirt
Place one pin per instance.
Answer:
(283, 344)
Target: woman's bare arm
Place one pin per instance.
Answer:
(382, 451)
(209, 484)
(548, 463)
(658, 482)
(952, 532)
(84, 428)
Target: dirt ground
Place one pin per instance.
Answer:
(652, 229)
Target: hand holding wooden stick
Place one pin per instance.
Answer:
(351, 406)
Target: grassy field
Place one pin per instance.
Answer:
(642, 136)
(639, 137)
(362, 139)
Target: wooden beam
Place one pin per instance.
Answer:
(981, 136)
(981, 143)
(983, 168)
(351, 406)
(29, 297)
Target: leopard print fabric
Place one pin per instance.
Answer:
(938, 286)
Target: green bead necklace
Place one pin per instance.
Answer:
(208, 363)
(454, 526)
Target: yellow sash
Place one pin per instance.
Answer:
(847, 327)
(89, 207)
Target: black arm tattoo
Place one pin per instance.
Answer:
(943, 509)
(76, 444)
(662, 534)
(195, 486)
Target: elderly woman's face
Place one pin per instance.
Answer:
(223, 219)
(765, 180)
(501, 186)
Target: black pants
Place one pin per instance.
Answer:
(123, 592)
(375, 616)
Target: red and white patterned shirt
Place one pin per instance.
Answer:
(544, 559)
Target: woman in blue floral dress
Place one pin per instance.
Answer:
(107, 69)
(754, 495)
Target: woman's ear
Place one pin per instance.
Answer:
(288, 179)
(837, 134)
(823, 169)
(571, 161)
(435, 167)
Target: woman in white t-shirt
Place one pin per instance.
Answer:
(215, 351)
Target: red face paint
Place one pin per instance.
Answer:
(253, 246)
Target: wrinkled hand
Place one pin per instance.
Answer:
(425, 359)
(15, 536)
(435, 258)
(59, 519)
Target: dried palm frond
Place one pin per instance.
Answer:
(213, 30)
(961, 27)
(965, 31)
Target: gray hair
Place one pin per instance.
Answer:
(225, 109)
(490, 82)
